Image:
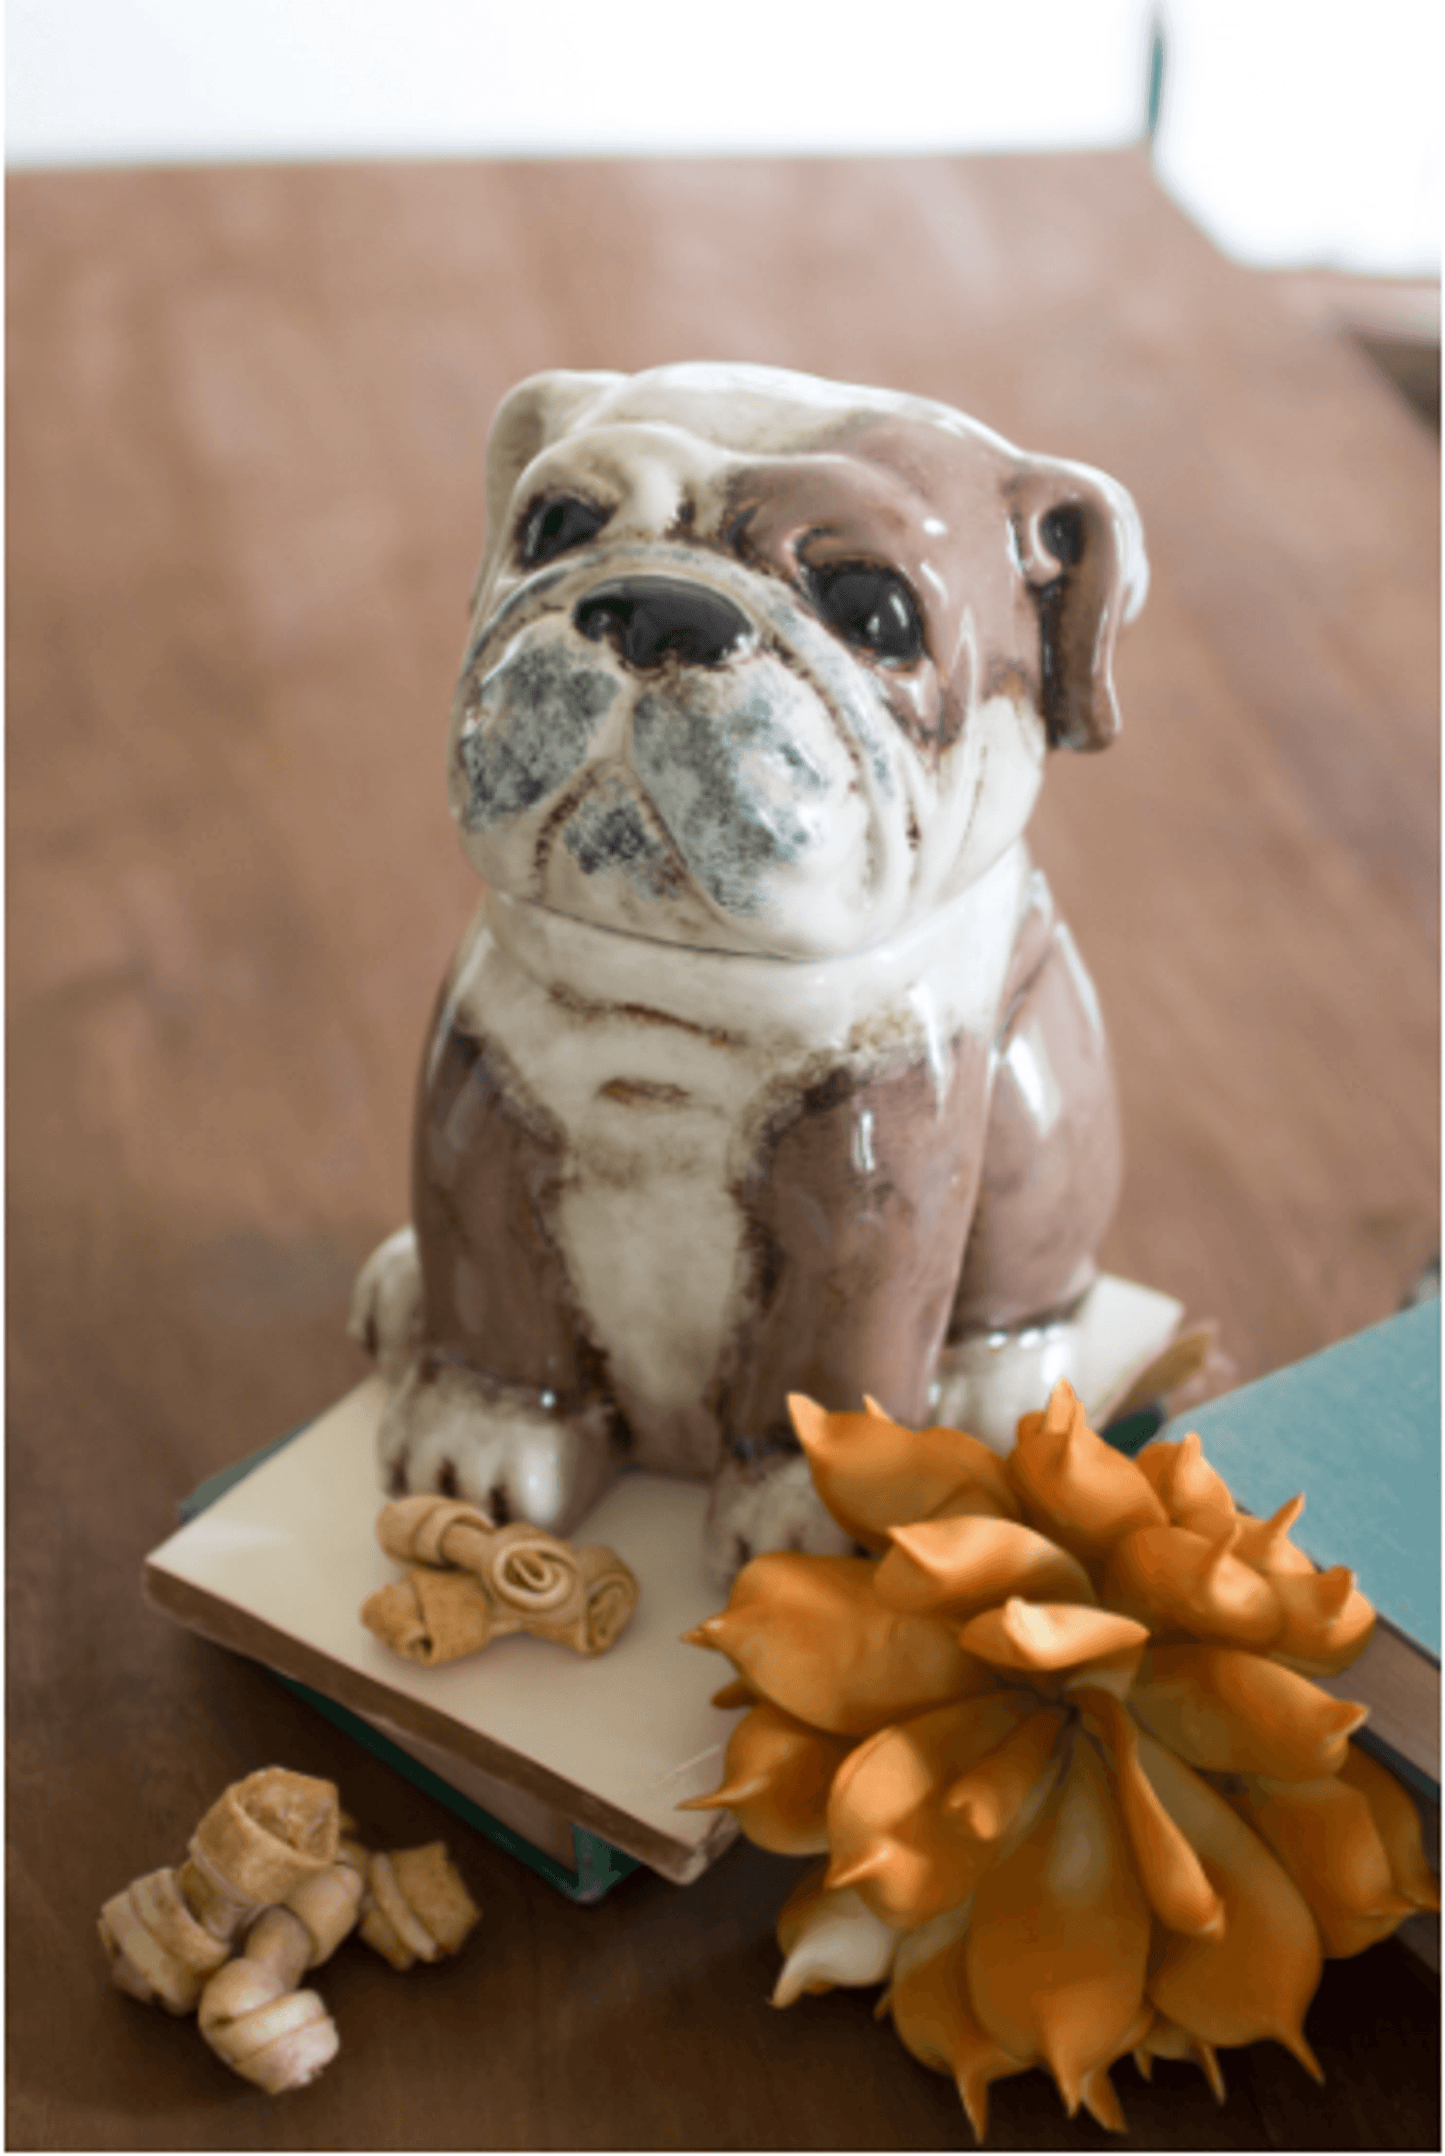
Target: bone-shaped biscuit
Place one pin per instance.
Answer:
(472, 1582)
(271, 1867)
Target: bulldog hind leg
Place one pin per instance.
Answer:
(1051, 1175)
(385, 1316)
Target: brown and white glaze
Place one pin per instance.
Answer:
(765, 1065)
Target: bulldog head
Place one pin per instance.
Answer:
(769, 664)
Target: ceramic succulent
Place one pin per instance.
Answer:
(1059, 1739)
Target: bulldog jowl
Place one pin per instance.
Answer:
(765, 1066)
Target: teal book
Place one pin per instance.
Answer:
(1357, 1428)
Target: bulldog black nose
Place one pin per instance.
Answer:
(648, 618)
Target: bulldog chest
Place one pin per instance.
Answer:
(654, 1117)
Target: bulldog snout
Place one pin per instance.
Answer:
(648, 619)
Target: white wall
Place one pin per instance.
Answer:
(1295, 130)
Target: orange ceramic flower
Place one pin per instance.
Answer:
(1058, 1739)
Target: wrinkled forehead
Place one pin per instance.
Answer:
(768, 412)
(752, 442)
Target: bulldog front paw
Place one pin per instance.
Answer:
(447, 1430)
(385, 1315)
(767, 1504)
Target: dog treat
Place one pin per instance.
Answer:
(496, 1580)
(766, 1066)
(281, 1834)
(1126, 1822)
(252, 2014)
(167, 1931)
(417, 1906)
(432, 1617)
(156, 1946)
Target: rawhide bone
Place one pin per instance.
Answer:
(473, 1582)
(270, 1888)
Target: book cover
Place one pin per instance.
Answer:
(1357, 1428)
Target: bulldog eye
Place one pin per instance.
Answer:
(872, 609)
(555, 525)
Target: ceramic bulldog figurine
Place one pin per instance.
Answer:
(766, 1065)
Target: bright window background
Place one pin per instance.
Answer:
(1297, 132)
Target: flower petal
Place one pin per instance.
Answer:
(1194, 1494)
(1048, 1635)
(776, 1777)
(1328, 1623)
(1398, 1825)
(1096, 2090)
(933, 2016)
(829, 1936)
(1096, 2093)
(1057, 1949)
(1233, 1713)
(1075, 1487)
(1257, 1978)
(892, 1835)
(1108, 1672)
(1166, 2040)
(808, 1634)
(925, 1940)
(949, 1568)
(1324, 1834)
(989, 1797)
(1169, 1871)
(1175, 1580)
(735, 1694)
(873, 1473)
(1265, 1544)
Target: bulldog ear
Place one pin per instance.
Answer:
(1081, 549)
(530, 416)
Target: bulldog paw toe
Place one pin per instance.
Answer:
(448, 1431)
(767, 1504)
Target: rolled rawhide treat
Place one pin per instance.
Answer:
(254, 2016)
(166, 1932)
(580, 1598)
(435, 1531)
(434, 1617)
(253, 2013)
(272, 1829)
(330, 1903)
(417, 1907)
(495, 1580)
(155, 1946)
(612, 1592)
(261, 1838)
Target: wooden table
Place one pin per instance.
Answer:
(248, 413)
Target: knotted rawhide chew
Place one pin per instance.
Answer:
(435, 1531)
(283, 1835)
(167, 1931)
(260, 1839)
(579, 1598)
(481, 1581)
(252, 2014)
(433, 1617)
(155, 1946)
(417, 1907)
(254, 2018)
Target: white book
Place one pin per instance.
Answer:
(545, 1740)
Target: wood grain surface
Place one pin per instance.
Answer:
(248, 412)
